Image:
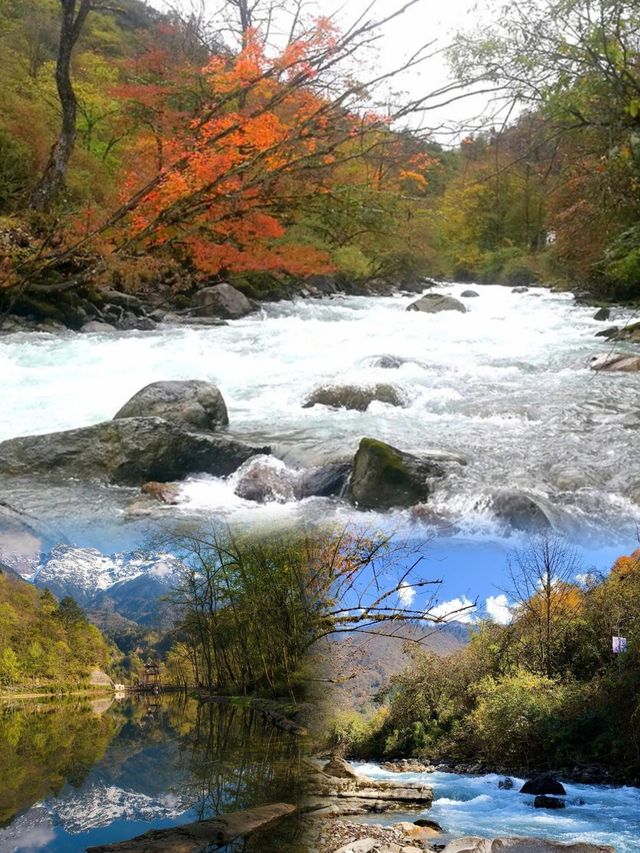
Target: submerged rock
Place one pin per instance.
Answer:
(473, 844)
(223, 300)
(519, 510)
(384, 477)
(505, 784)
(354, 396)
(265, 480)
(433, 303)
(388, 362)
(97, 327)
(542, 801)
(128, 451)
(467, 294)
(520, 289)
(325, 481)
(543, 783)
(191, 403)
(610, 332)
(166, 493)
(621, 363)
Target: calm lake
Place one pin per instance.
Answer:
(80, 773)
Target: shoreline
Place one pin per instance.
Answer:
(143, 312)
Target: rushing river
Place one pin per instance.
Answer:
(474, 805)
(77, 774)
(507, 385)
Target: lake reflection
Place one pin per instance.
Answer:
(75, 774)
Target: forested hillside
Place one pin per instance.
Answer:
(45, 644)
(545, 690)
(141, 152)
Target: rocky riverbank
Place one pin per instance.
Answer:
(340, 803)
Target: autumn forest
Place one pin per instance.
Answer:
(144, 149)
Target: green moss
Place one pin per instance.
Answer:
(388, 458)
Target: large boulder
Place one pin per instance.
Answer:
(354, 396)
(384, 477)
(543, 783)
(468, 294)
(519, 511)
(602, 314)
(432, 303)
(473, 844)
(621, 363)
(128, 451)
(222, 300)
(191, 403)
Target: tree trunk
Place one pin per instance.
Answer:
(55, 173)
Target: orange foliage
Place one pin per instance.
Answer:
(260, 137)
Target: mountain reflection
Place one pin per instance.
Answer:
(82, 773)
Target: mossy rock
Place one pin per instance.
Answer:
(354, 397)
(384, 477)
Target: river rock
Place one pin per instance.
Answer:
(128, 451)
(609, 332)
(339, 768)
(473, 844)
(422, 832)
(467, 294)
(191, 403)
(520, 289)
(407, 765)
(543, 783)
(384, 477)
(97, 327)
(223, 300)
(325, 481)
(631, 332)
(505, 784)
(621, 363)
(542, 801)
(166, 493)
(433, 303)
(388, 362)
(336, 788)
(264, 479)
(602, 314)
(518, 510)
(354, 396)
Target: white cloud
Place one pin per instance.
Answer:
(455, 609)
(406, 594)
(586, 579)
(497, 606)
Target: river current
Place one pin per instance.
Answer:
(507, 385)
(475, 805)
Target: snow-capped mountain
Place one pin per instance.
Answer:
(128, 584)
(101, 804)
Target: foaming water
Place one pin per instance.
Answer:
(474, 805)
(506, 385)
